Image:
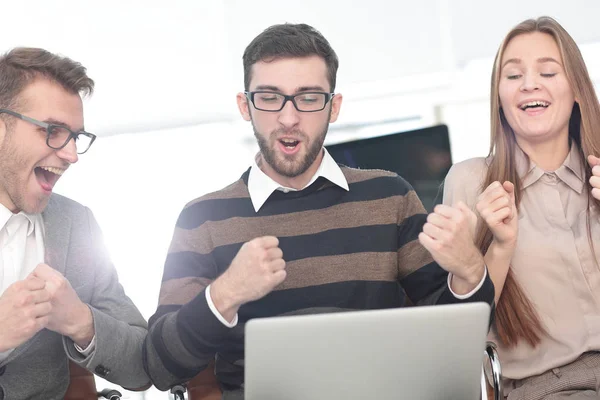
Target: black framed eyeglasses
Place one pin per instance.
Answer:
(303, 102)
(57, 136)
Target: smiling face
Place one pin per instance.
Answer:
(29, 169)
(534, 91)
(290, 141)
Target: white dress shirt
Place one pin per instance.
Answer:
(21, 250)
(261, 186)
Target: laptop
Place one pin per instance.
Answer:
(417, 353)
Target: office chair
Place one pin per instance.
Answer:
(82, 386)
(491, 377)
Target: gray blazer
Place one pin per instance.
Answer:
(38, 369)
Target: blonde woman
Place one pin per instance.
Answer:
(537, 195)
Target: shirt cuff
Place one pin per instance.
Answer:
(472, 292)
(212, 307)
(88, 350)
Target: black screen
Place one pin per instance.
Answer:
(422, 157)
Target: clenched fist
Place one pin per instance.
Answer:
(69, 315)
(448, 236)
(497, 208)
(595, 178)
(256, 270)
(24, 309)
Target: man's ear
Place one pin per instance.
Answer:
(336, 104)
(243, 105)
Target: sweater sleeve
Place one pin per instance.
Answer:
(184, 333)
(423, 280)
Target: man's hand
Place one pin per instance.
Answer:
(448, 236)
(254, 272)
(595, 178)
(497, 208)
(69, 316)
(24, 310)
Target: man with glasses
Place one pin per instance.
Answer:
(297, 233)
(60, 298)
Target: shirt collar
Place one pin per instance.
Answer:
(570, 172)
(6, 214)
(261, 186)
(527, 170)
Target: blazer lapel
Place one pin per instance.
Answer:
(57, 234)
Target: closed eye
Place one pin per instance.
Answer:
(548, 75)
(513, 77)
(268, 98)
(308, 100)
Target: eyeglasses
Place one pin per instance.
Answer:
(303, 102)
(57, 136)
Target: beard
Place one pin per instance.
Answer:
(291, 165)
(12, 181)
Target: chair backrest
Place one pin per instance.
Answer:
(82, 385)
(204, 386)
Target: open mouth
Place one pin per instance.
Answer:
(48, 176)
(289, 146)
(534, 105)
(289, 143)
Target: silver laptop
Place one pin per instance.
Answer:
(417, 353)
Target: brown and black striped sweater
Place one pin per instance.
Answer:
(344, 250)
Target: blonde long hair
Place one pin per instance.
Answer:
(516, 317)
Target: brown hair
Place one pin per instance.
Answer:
(288, 41)
(21, 65)
(516, 317)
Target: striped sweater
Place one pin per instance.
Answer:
(344, 250)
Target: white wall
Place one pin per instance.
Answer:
(161, 64)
